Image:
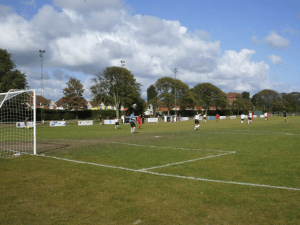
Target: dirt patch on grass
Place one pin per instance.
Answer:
(48, 146)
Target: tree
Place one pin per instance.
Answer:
(246, 95)
(138, 107)
(73, 98)
(118, 86)
(277, 106)
(10, 78)
(239, 103)
(166, 92)
(291, 101)
(152, 97)
(208, 95)
(243, 104)
(184, 95)
(264, 99)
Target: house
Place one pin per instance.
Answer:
(231, 96)
(92, 105)
(43, 103)
(149, 110)
(60, 105)
(102, 106)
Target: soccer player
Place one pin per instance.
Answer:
(242, 118)
(217, 117)
(117, 123)
(132, 123)
(204, 118)
(25, 123)
(284, 115)
(250, 117)
(139, 121)
(197, 123)
(100, 119)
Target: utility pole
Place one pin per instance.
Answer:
(175, 71)
(42, 87)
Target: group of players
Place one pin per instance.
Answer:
(250, 118)
(131, 121)
(197, 120)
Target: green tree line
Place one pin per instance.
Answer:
(118, 86)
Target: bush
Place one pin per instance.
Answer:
(50, 114)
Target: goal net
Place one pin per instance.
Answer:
(17, 123)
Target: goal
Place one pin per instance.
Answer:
(17, 123)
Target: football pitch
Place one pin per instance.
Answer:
(164, 173)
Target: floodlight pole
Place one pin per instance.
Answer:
(122, 63)
(175, 71)
(41, 55)
(42, 88)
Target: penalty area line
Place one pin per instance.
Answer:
(192, 160)
(175, 176)
(163, 147)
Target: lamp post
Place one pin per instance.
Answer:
(122, 63)
(42, 88)
(175, 71)
(41, 55)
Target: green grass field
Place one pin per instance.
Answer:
(165, 173)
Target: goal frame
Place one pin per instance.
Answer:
(30, 105)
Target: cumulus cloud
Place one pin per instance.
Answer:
(236, 71)
(83, 37)
(276, 60)
(274, 40)
(16, 33)
(5, 11)
(89, 6)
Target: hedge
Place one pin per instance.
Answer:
(50, 114)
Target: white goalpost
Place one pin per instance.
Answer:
(17, 123)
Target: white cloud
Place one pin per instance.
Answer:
(274, 40)
(16, 33)
(276, 60)
(236, 72)
(86, 36)
(5, 11)
(89, 6)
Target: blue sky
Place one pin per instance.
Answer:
(235, 45)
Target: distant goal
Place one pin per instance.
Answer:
(17, 123)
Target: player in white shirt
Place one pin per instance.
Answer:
(117, 122)
(197, 123)
(250, 118)
(242, 118)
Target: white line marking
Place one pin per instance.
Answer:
(185, 149)
(251, 133)
(177, 163)
(264, 132)
(176, 176)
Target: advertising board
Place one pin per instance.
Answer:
(57, 123)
